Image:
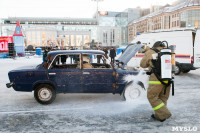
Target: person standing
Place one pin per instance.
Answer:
(45, 54)
(71, 56)
(112, 54)
(106, 52)
(155, 93)
(99, 56)
(57, 48)
(63, 59)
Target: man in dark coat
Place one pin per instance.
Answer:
(106, 52)
(112, 54)
(99, 56)
(45, 54)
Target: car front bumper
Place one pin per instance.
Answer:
(8, 85)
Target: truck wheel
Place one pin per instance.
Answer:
(177, 69)
(45, 94)
(131, 92)
(185, 71)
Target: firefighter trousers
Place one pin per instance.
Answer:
(158, 99)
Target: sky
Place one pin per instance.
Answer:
(69, 8)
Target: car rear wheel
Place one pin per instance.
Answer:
(185, 71)
(131, 92)
(45, 94)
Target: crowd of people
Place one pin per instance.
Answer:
(108, 53)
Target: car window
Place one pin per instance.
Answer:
(66, 61)
(95, 61)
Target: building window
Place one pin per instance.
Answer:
(112, 36)
(67, 40)
(43, 38)
(105, 37)
(167, 22)
(189, 18)
(78, 40)
(72, 40)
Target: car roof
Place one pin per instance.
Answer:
(77, 51)
(53, 53)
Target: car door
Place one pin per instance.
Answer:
(65, 78)
(98, 80)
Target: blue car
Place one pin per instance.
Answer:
(74, 71)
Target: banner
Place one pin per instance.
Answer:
(4, 43)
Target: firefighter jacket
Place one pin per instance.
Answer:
(147, 63)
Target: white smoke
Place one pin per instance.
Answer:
(134, 87)
(141, 76)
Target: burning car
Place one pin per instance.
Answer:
(75, 71)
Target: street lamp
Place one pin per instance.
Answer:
(97, 1)
(97, 14)
(97, 4)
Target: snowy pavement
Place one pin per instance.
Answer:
(19, 111)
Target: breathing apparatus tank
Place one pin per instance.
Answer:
(165, 65)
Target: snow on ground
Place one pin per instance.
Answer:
(19, 112)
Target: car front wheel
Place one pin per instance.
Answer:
(177, 69)
(45, 94)
(131, 92)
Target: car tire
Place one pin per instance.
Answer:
(131, 92)
(177, 69)
(185, 71)
(45, 94)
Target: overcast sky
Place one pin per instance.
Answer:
(68, 8)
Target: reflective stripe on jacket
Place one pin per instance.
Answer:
(157, 82)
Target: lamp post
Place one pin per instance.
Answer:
(97, 15)
(97, 1)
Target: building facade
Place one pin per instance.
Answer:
(183, 14)
(106, 30)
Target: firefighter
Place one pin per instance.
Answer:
(155, 93)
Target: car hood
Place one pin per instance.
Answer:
(129, 52)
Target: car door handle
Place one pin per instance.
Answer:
(52, 73)
(86, 73)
